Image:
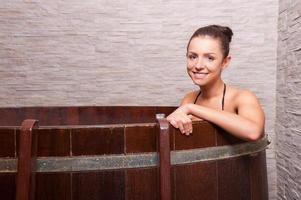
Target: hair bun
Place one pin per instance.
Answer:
(226, 31)
(223, 33)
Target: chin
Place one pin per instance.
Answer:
(199, 82)
(202, 81)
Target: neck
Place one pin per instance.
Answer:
(212, 90)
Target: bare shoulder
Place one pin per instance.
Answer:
(190, 97)
(244, 100)
(245, 96)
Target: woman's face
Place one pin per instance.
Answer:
(205, 60)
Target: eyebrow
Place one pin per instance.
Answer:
(209, 53)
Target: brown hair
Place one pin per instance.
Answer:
(223, 33)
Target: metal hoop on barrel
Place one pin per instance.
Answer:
(122, 161)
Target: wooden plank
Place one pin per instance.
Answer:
(140, 139)
(7, 186)
(98, 185)
(53, 142)
(196, 181)
(203, 135)
(97, 141)
(142, 184)
(233, 179)
(258, 176)
(25, 189)
(7, 145)
(164, 157)
(53, 186)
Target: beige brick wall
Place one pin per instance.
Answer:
(99, 52)
(288, 120)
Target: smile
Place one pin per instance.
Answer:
(200, 75)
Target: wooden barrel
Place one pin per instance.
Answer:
(112, 153)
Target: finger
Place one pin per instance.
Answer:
(191, 128)
(189, 132)
(190, 116)
(186, 127)
(181, 127)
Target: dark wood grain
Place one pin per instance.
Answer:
(164, 159)
(196, 181)
(92, 115)
(258, 176)
(233, 179)
(172, 134)
(97, 141)
(54, 142)
(9, 117)
(142, 184)
(53, 186)
(140, 139)
(7, 142)
(82, 115)
(7, 186)
(98, 185)
(25, 189)
(203, 135)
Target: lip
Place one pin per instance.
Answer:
(199, 75)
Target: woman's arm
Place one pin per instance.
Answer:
(247, 124)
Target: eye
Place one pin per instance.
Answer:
(210, 58)
(192, 57)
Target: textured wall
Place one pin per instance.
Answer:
(288, 120)
(99, 52)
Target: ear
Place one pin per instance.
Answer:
(226, 62)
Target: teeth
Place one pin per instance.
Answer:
(200, 75)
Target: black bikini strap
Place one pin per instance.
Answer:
(223, 100)
(197, 96)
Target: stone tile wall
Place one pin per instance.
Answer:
(288, 109)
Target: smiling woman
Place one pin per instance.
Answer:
(235, 110)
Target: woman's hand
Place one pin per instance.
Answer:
(181, 119)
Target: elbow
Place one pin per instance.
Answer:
(254, 137)
(255, 134)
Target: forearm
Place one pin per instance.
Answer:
(233, 123)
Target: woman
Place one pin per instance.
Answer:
(235, 110)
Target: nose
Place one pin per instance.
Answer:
(199, 64)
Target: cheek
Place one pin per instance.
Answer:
(214, 67)
(189, 67)
(189, 70)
